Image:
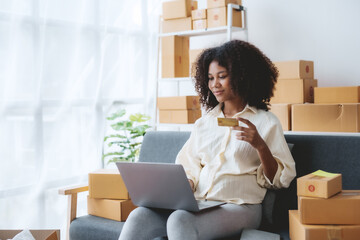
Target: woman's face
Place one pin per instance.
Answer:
(219, 83)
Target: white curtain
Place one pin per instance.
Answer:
(64, 64)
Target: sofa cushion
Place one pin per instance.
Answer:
(94, 228)
(252, 234)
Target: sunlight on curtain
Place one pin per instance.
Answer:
(62, 65)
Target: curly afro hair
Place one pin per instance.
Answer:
(252, 74)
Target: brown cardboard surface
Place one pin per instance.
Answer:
(179, 116)
(176, 25)
(295, 69)
(299, 231)
(283, 112)
(176, 9)
(337, 94)
(312, 185)
(199, 24)
(48, 234)
(342, 208)
(221, 3)
(326, 117)
(198, 14)
(217, 17)
(194, 5)
(107, 183)
(175, 56)
(294, 91)
(178, 103)
(117, 210)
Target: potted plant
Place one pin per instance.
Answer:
(127, 137)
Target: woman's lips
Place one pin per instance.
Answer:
(218, 92)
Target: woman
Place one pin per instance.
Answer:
(234, 165)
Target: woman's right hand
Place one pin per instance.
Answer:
(192, 185)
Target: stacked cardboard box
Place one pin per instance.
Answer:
(176, 15)
(108, 196)
(335, 109)
(325, 211)
(295, 84)
(175, 57)
(217, 13)
(199, 19)
(182, 109)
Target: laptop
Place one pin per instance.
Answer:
(161, 185)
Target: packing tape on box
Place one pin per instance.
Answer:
(334, 233)
(321, 173)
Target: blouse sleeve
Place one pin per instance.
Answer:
(189, 158)
(281, 153)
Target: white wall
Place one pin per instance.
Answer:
(324, 31)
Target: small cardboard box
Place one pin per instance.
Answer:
(337, 94)
(217, 17)
(176, 25)
(194, 5)
(176, 9)
(319, 184)
(326, 117)
(283, 112)
(107, 183)
(221, 3)
(299, 231)
(179, 116)
(117, 210)
(198, 14)
(294, 91)
(343, 208)
(179, 103)
(175, 57)
(295, 69)
(194, 54)
(199, 24)
(37, 234)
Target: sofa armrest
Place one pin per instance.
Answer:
(72, 202)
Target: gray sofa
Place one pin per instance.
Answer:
(338, 153)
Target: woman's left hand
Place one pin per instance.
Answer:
(249, 134)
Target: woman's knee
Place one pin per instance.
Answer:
(182, 222)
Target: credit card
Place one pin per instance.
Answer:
(230, 122)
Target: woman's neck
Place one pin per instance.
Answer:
(231, 108)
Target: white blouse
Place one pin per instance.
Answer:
(226, 169)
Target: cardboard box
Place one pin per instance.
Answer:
(221, 3)
(343, 208)
(337, 94)
(37, 234)
(326, 117)
(176, 9)
(199, 24)
(295, 69)
(319, 184)
(217, 17)
(117, 210)
(198, 14)
(179, 103)
(107, 183)
(176, 25)
(299, 231)
(179, 116)
(283, 112)
(294, 91)
(175, 57)
(194, 5)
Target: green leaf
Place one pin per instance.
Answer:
(138, 117)
(112, 154)
(114, 136)
(117, 114)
